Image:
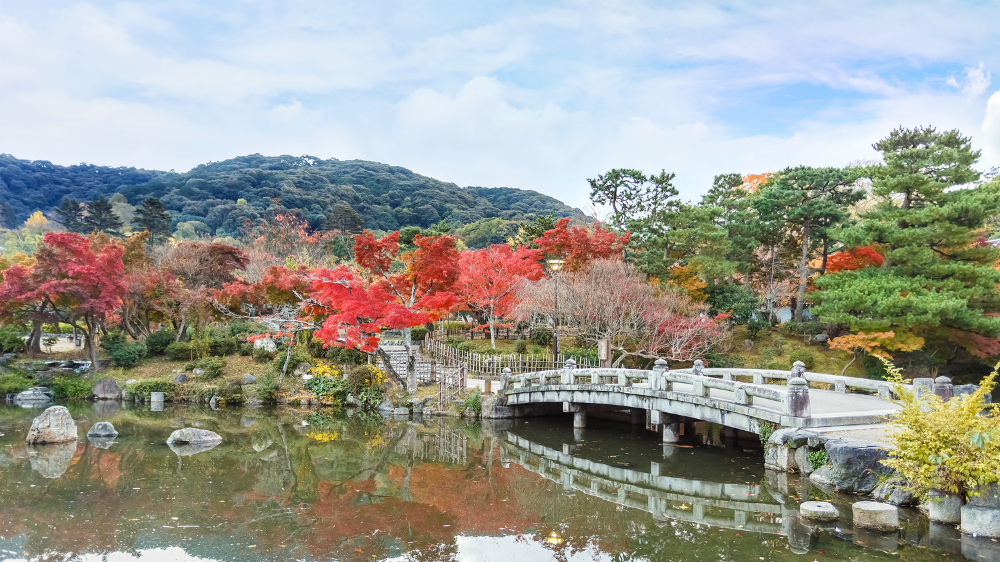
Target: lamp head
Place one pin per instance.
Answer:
(556, 265)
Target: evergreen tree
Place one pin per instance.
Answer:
(70, 215)
(938, 281)
(738, 217)
(8, 218)
(101, 217)
(811, 201)
(345, 219)
(153, 218)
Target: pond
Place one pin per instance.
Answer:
(301, 485)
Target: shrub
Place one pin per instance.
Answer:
(262, 355)
(267, 388)
(766, 429)
(804, 329)
(346, 356)
(327, 384)
(212, 366)
(299, 355)
(818, 458)
(755, 326)
(365, 383)
(245, 348)
(11, 341)
(219, 343)
(113, 340)
(157, 342)
(128, 355)
(778, 343)
(949, 446)
(12, 383)
(70, 388)
(242, 328)
(418, 333)
(178, 351)
(578, 354)
(474, 401)
(144, 387)
(521, 346)
(720, 361)
(805, 356)
(541, 336)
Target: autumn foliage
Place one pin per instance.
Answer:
(577, 246)
(854, 259)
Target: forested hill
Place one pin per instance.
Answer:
(225, 194)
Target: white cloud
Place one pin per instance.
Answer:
(522, 94)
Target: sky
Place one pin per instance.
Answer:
(537, 95)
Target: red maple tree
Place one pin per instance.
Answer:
(78, 281)
(577, 246)
(854, 259)
(490, 278)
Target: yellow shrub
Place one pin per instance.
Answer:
(952, 446)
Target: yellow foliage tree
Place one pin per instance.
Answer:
(876, 343)
(951, 446)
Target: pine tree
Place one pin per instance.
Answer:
(811, 201)
(101, 217)
(153, 218)
(345, 219)
(937, 280)
(70, 215)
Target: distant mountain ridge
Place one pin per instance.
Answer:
(224, 195)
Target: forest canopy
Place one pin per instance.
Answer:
(227, 195)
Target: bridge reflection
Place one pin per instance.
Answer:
(725, 505)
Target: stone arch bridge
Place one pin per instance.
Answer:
(741, 399)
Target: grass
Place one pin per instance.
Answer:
(828, 360)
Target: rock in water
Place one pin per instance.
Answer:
(819, 511)
(106, 389)
(193, 436)
(36, 396)
(51, 461)
(55, 425)
(102, 429)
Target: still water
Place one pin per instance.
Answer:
(298, 485)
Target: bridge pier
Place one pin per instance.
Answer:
(638, 416)
(579, 414)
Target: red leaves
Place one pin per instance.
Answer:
(490, 277)
(576, 246)
(71, 273)
(854, 259)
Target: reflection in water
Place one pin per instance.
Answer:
(299, 486)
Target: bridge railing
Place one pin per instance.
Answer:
(793, 402)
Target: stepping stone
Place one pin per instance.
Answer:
(875, 515)
(819, 511)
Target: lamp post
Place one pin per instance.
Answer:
(556, 265)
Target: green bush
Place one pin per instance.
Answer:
(365, 383)
(345, 356)
(220, 342)
(738, 300)
(299, 355)
(212, 366)
(70, 388)
(157, 342)
(12, 383)
(805, 356)
(128, 355)
(178, 351)
(755, 326)
(245, 349)
(778, 343)
(818, 458)
(541, 336)
(328, 387)
(113, 340)
(267, 388)
(578, 354)
(521, 346)
(144, 387)
(242, 328)
(806, 328)
(418, 333)
(11, 340)
(720, 361)
(262, 355)
(474, 401)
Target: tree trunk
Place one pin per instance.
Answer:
(411, 364)
(826, 254)
(800, 301)
(389, 370)
(35, 339)
(493, 339)
(88, 338)
(284, 367)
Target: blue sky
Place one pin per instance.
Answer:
(523, 94)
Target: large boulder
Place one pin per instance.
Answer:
(106, 389)
(55, 425)
(34, 397)
(854, 466)
(193, 436)
(248, 379)
(181, 378)
(267, 344)
(51, 461)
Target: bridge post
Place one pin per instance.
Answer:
(567, 374)
(944, 388)
(799, 372)
(797, 399)
(699, 368)
(657, 381)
